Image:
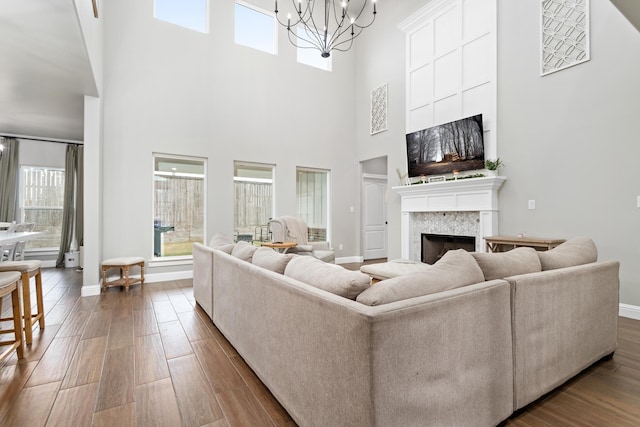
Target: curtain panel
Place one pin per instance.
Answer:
(9, 168)
(69, 206)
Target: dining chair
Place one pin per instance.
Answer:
(27, 270)
(18, 251)
(9, 285)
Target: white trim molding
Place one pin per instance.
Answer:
(630, 311)
(93, 290)
(90, 290)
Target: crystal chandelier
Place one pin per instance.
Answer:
(340, 23)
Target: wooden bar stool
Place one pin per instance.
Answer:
(9, 285)
(124, 264)
(28, 269)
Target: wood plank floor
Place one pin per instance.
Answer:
(152, 357)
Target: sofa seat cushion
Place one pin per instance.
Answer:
(329, 277)
(244, 251)
(220, 240)
(394, 268)
(506, 264)
(271, 259)
(576, 251)
(455, 269)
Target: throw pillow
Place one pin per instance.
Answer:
(455, 269)
(244, 251)
(228, 248)
(506, 264)
(330, 277)
(219, 240)
(271, 259)
(577, 251)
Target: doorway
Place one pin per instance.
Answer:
(374, 208)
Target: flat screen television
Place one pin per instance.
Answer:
(458, 145)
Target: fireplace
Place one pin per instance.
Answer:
(463, 207)
(434, 246)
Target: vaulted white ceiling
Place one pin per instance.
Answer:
(44, 69)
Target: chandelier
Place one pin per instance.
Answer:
(339, 24)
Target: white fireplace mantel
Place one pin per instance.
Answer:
(465, 195)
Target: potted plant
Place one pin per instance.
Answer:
(493, 165)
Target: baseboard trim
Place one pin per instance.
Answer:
(49, 263)
(630, 311)
(165, 277)
(90, 291)
(349, 260)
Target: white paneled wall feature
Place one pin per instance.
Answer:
(476, 18)
(451, 65)
(476, 57)
(421, 117)
(446, 30)
(422, 92)
(421, 46)
(446, 109)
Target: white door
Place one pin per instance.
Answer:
(374, 217)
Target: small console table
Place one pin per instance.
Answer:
(280, 246)
(502, 243)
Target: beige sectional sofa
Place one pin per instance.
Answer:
(467, 352)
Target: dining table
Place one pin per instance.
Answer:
(7, 237)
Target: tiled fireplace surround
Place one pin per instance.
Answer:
(467, 207)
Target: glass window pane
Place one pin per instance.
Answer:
(192, 14)
(179, 201)
(253, 195)
(255, 28)
(312, 193)
(41, 202)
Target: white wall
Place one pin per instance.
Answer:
(380, 58)
(171, 90)
(569, 140)
(41, 153)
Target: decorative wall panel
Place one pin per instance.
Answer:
(564, 34)
(379, 109)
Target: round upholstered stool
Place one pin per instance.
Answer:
(27, 270)
(9, 284)
(124, 264)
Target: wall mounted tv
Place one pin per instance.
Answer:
(458, 145)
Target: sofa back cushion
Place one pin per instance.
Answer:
(456, 268)
(244, 251)
(220, 240)
(228, 248)
(271, 259)
(506, 264)
(330, 277)
(576, 251)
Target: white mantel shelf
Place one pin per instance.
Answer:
(471, 194)
(464, 195)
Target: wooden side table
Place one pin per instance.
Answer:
(505, 243)
(123, 264)
(282, 247)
